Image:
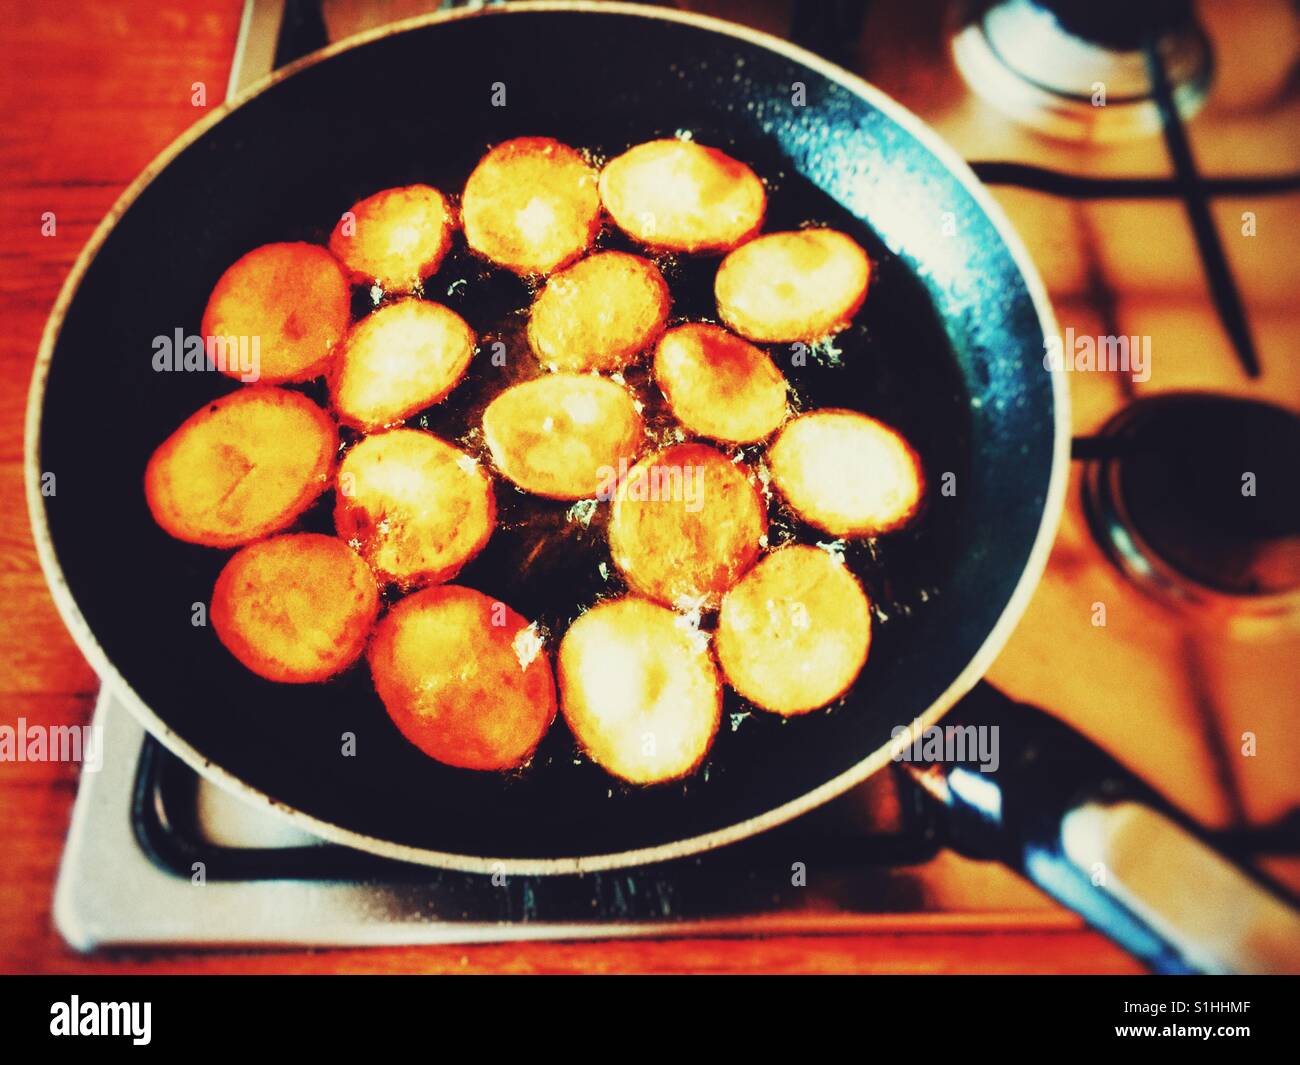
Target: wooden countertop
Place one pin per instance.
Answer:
(90, 93)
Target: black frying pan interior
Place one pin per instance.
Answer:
(948, 348)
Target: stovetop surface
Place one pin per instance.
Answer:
(157, 856)
(1168, 694)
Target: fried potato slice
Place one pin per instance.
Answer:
(599, 314)
(295, 608)
(677, 195)
(244, 465)
(414, 506)
(685, 524)
(293, 298)
(846, 473)
(395, 238)
(639, 690)
(564, 435)
(793, 634)
(402, 358)
(783, 287)
(719, 385)
(531, 205)
(464, 677)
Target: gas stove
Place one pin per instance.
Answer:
(1146, 214)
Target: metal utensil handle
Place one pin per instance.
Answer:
(1063, 812)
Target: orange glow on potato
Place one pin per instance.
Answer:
(395, 238)
(719, 385)
(414, 506)
(846, 473)
(294, 298)
(677, 195)
(531, 205)
(464, 678)
(793, 634)
(685, 524)
(244, 465)
(639, 690)
(784, 287)
(295, 608)
(402, 358)
(599, 314)
(563, 435)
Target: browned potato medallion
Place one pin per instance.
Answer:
(295, 608)
(531, 205)
(416, 507)
(793, 634)
(562, 436)
(402, 358)
(244, 465)
(677, 195)
(639, 690)
(599, 314)
(685, 524)
(719, 385)
(395, 238)
(846, 473)
(464, 678)
(784, 287)
(293, 298)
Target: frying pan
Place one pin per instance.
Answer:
(948, 347)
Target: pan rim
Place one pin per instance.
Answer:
(976, 667)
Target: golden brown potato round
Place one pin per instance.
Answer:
(244, 465)
(685, 524)
(295, 608)
(464, 678)
(719, 385)
(531, 205)
(414, 506)
(562, 435)
(293, 298)
(639, 690)
(395, 238)
(677, 195)
(783, 287)
(846, 473)
(793, 634)
(599, 314)
(402, 358)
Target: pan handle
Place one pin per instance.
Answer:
(1031, 792)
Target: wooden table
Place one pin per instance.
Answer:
(90, 93)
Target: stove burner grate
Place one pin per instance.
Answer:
(1079, 71)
